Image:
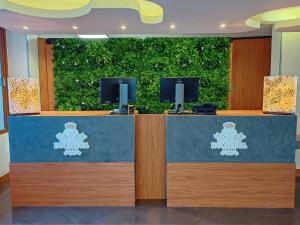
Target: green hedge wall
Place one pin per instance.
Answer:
(79, 65)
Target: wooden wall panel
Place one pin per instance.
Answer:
(298, 173)
(4, 69)
(250, 63)
(50, 76)
(245, 185)
(73, 184)
(46, 75)
(150, 157)
(43, 74)
(4, 179)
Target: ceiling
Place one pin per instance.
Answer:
(191, 17)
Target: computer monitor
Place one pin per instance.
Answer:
(118, 90)
(179, 90)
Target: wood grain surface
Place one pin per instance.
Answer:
(4, 71)
(237, 185)
(4, 179)
(250, 63)
(73, 184)
(150, 157)
(298, 173)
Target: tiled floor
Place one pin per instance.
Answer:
(144, 214)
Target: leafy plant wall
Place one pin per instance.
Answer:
(79, 65)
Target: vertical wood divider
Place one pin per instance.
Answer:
(46, 76)
(250, 63)
(150, 131)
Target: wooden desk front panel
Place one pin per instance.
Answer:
(237, 185)
(150, 138)
(73, 184)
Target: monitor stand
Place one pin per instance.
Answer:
(123, 100)
(179, 98)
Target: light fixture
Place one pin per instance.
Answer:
(172, 26)
(123, 27)
(92, 36)
(223, 25)
(25, 28)
(74, 27)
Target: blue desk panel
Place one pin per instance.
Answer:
(111, 138)
(268, 138)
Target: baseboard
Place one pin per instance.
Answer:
(297, 172)
(4, 178)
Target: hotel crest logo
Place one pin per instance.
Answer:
(71, 140)
(229, 140)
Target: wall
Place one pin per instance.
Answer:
(33, 56)
(250, 63)
(285, 52)
(18, 66)
(276, 53)
(4, 153)
(290, 54)
(147, 60)
(17, 55)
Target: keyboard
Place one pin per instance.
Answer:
(180, 113)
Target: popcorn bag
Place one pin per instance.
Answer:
(24, 96)
(280, 94)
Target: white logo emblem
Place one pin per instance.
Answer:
(229, 140)
(71, 140)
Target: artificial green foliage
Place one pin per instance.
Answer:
(79, 65)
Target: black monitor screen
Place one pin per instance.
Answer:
(110, 89)
(168, 86)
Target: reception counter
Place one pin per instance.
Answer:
(233, 159)
(44, 173)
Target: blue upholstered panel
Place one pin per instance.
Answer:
(269, 138)
(111, 138)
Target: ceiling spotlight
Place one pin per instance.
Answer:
(92, 36)
(172, 26)
(223, 25)
(123, 27)
(25, 28)
(74, 27)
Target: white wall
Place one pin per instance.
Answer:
(276, 53)
(290, 65)
(33, 56)
(17, 54)
(4, 155)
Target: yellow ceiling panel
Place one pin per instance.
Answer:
(150, 12)
(277, 16)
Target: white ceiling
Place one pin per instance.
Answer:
(192, 18)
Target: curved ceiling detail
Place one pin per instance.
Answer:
(189, 17)
(150, 13)
(281, 18)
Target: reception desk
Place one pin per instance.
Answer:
(103, 173)
(237, 159)
(233, 159)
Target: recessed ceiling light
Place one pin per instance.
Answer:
(25, 28)
(172, 26)
(223, 25)
(123, 27)
(92, 36)
(74, 27)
